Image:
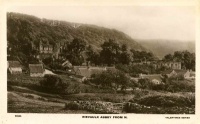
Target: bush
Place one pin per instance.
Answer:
(144, 83)
(72, 106)
(171, 85)
(174, 85)
(15, 83)
(166, 101)
(53, 84)
(111, 79)
(162, 104)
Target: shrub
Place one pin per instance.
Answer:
(144, 83)
(12, 82)
(166, 101)
(53, 84)
(72, 106)
(174, 85)
(162, 104)
(111, 79)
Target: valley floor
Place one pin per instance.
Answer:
(24, 100)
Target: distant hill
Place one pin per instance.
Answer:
(22, 28)
(162, 47)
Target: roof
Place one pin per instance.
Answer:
(152, 77)
(88, 71)
(14, 64)
(96, 70)
(67, 64)
(36, 68)
(76, 68)
(84, 72)
(180, 72)
(167, 71)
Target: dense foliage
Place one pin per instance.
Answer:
(170, 85)
(111, 79)
(135, 70)
(186, 58)
(53, 84)
(24, 33)
(162, 104)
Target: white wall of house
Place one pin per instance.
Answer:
(15, 70)
(155, 81)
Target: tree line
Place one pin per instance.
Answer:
(111, 53)
(186, 58)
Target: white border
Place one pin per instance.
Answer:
(9, 118)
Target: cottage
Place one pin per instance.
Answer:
(168, 73)
(36, 70)
(154, 78)
(67, 64)
(78, 78)
(192, 73)
(184, 73)
(88, 71)
(177, 73)
(14, 67)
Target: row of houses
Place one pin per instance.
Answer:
(35, 70)
(177, 73)
(48, 50)
(38, 70)
(81, 73)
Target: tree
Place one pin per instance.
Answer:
(53, 83)
(75, 50)
(111, 79)
(139, 56)
(168, 57)
(77, 46)
(186, 58)
(144, 83)
(92, 56)
(124, 57)
(110, 52)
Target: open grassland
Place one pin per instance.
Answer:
(30, 103)
(24, 100)
(24, 97)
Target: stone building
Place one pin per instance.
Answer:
(169, 64)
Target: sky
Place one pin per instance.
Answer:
(139, 22)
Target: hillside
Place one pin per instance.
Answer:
(162, 47)
(23, 29)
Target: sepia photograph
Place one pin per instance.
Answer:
(101, 59)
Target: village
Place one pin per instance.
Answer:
(84, 71)
(60, 67)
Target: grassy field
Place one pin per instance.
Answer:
(31, 103)
(22, 98)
